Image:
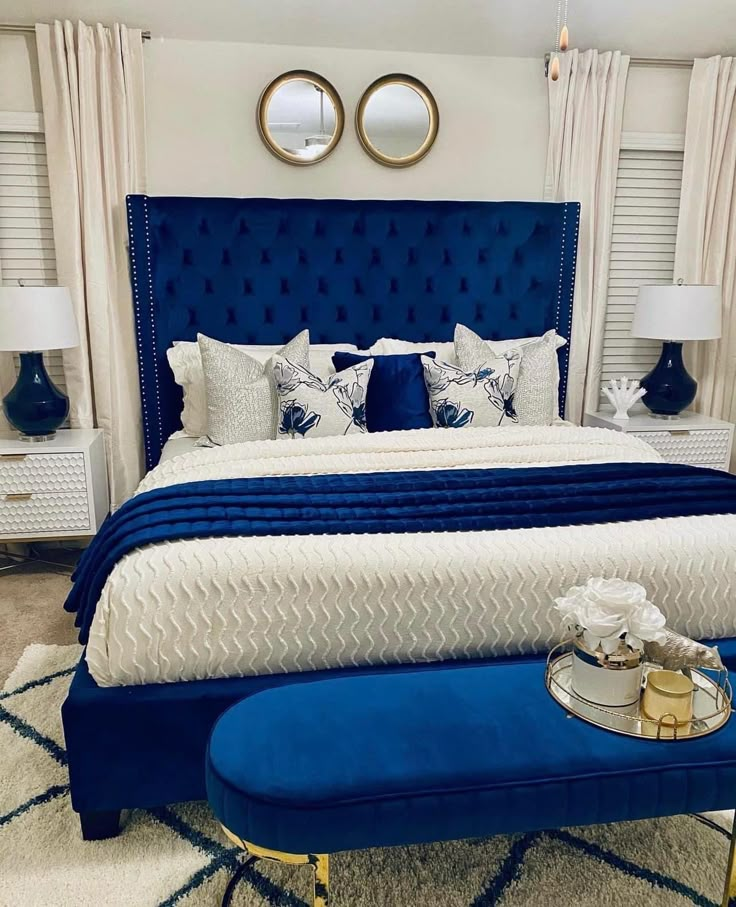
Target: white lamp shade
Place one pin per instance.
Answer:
(678, 312)
(37, 318)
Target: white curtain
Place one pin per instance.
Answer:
(706, 235)
(7, 377)
(92, 94)
(586, 111)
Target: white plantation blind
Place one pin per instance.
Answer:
(26, 234)
(643, 246)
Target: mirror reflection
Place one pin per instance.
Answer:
(300, 117)
(397, 120)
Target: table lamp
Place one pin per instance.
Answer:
(34, 319)
(674, 313)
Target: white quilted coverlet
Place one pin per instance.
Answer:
(208, 608)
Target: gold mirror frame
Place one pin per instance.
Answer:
(424, 93)
(298, 75)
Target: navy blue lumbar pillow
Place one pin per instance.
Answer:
(397, 395)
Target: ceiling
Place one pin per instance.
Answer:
(663, 28)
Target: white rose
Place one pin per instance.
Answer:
(645, 624)
(602, 627)
(608, 610)
(617, 593)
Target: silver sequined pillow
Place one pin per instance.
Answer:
(310, 406)
(536, 400)
(241, 396)
(479, 398)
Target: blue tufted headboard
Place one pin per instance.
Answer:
(258, 270)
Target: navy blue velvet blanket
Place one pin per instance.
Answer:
(448, 500)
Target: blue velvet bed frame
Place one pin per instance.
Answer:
(259, 271)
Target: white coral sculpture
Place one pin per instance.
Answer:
(623, 394)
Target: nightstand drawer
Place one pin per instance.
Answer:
(702, 447)
(42, 473)
(27, 514)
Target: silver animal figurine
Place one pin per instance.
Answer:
(678, 653)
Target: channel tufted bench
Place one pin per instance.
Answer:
(301, 771)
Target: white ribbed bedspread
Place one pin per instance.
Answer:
(209, 608)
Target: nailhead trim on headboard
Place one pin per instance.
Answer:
(260, 270)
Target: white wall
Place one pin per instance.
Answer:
(202, 139)
(19, 85)
(656, 99)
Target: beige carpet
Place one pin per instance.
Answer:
(31, 608)
(178, 857)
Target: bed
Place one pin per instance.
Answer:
(183, 624)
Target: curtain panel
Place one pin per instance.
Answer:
(586, 113)
(706, 234)
(7, 377)
(93, 105)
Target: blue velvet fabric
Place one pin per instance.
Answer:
(397, 396)
(258, 270)
(145, 746)
(359, 762)
(418, 501)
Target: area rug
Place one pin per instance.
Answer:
(177, 856)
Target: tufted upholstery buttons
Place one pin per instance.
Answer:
(260, 270)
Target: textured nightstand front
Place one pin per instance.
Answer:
(42, 473)
(706, 447)
(55, 489)
(693, 439)
(57, 514)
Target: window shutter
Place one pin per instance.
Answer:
(642, 251)
(26, 231)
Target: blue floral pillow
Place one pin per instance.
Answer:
(481, 398)
(310, 406)
(397, 397)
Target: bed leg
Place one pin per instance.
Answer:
(99, 825)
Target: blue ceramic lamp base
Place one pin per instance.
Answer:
(670, 389)
(35, 406)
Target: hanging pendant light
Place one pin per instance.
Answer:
(562, 40)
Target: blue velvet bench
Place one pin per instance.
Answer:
(301, 771)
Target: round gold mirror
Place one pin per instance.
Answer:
(397, 120)
(300, 117)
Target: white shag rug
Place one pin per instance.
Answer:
(177, 855)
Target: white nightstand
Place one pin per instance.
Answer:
(53, 489)
(693, 439)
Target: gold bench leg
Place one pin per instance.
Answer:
(729, 890)
(320, 863)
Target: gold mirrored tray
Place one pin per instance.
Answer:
(711, 703)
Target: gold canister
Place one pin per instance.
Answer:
(668, 699)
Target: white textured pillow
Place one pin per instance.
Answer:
(186, 364)
(481, 399)
(536, 399)
(239, 396)
(239, 390)
(310, 405)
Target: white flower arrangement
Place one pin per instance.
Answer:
(609, 611)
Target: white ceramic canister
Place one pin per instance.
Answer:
(612, 681)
